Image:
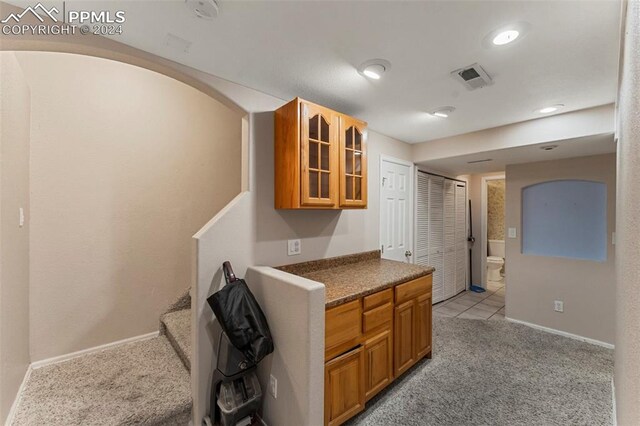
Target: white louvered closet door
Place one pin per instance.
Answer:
(436, 235)
(461, 237)
(422, 219)
(449, 239)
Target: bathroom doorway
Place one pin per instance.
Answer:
(493, 234)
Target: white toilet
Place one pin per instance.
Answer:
(495, 260)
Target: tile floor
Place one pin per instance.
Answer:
(470, 305)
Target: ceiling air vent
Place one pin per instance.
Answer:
(473, 77)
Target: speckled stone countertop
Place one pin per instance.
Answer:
(350, 277)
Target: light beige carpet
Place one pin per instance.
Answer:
(499, 373)
(141, 383)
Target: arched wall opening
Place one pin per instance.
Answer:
(126, 164)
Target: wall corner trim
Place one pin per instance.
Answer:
(563, 333)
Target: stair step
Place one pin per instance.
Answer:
(177, 327)
(142, 382)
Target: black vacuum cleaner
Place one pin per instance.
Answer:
(244, 341)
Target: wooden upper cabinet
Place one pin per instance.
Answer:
(319, 149)
(310, 170)
(353, 162)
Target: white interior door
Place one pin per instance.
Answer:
(449, 239)
(436, 235)
(441, 232)
(396, 212)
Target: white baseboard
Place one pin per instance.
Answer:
(563, 333)
(16, 401)
(67, 357)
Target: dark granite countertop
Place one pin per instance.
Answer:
(350, 277)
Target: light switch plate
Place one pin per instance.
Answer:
(512, 233)
(558, 305)
(294, 247)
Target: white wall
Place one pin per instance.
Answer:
(126, 165)
(534, 282)
(14, 241)
(586, 122)
(298, 368)
(627, 355)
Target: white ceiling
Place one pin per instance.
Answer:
(568, 148)
(311, 49)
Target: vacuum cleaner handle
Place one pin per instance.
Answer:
(229, 276)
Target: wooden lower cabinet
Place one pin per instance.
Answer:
(423, 326)
(378, 355)
(344, 386)
(371, 341)
(404, 339)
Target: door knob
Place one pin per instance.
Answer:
(408, 253)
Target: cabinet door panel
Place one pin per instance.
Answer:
(343, 328)
(404, 337)
(379, 362)
(344, 385)
(319, 156)
(353, 163)
(423, 325)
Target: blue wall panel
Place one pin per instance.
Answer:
(565, 218)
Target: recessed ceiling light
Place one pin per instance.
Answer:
(374, 68)
(443, 112)
(548, 147)
(550, 109)
(505, 37)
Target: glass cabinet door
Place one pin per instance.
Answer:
(319, 149)
(353, 163)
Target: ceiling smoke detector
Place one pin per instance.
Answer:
(204, 9)
(472, 77)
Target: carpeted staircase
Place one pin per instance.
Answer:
(141, 383)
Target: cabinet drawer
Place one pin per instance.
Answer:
(413, 289)
(377, 299)
(376, 317)
(343, 325)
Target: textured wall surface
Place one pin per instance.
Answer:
(587, 287)
(495, 209)
(126, 165)
(627, 362)
(15, 112)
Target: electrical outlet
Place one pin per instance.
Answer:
(294, 247)
(558, 305)
(273, 386)
(512, 233)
